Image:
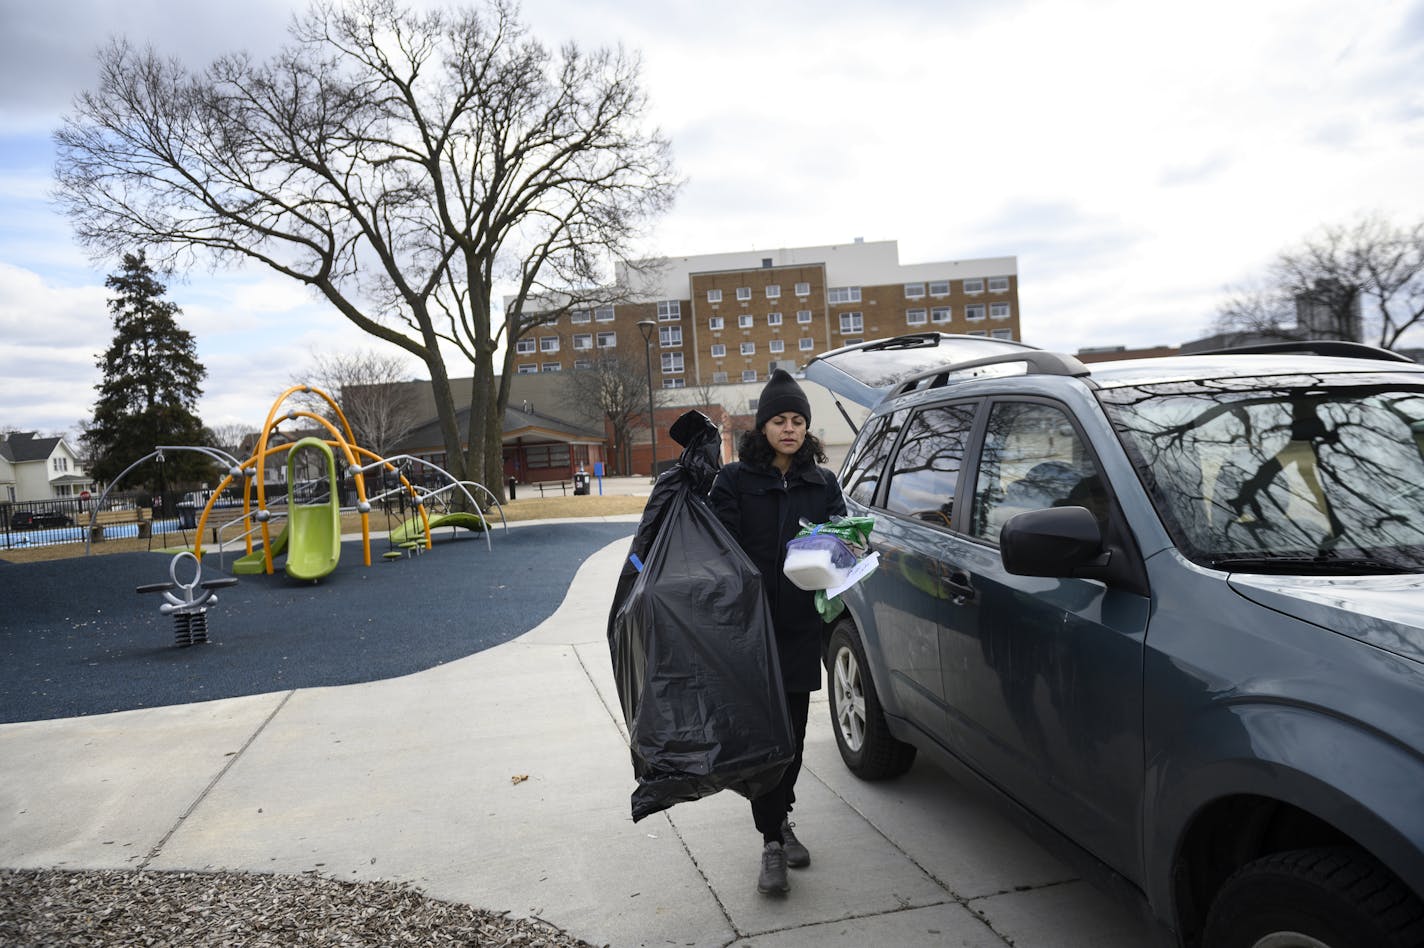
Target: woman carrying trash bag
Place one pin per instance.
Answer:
(762, 499)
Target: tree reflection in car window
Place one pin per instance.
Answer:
(927, 468)
(1032, 459)
(864, 469)
(1323, 467)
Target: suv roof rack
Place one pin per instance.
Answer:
(1036, 361)
(1337, 348)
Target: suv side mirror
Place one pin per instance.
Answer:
(1056, 541)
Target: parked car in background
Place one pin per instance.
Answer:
(1169, 613)
(40, 519)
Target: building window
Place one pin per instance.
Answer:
(547, 455)
(583, 363)
(583, 340)
(915, 317)
(714, 296)
(843, 294)
(669, 336)
(776, 345)
(670, 309)
(674, 383)
(715, 324)
(803, 316)
(803, 289)
(852, 322)
(806, 344)
(748, 348)
(580, 316)
(939, 288)
(939, 314)
(998, 310)
(998, 284)
(526, 368)
(551, 367)
(607, 340)
(974, 312)
(976, 332)
(672, 362)
(524, 346)
(974, 286)
(745, 321)
(852, 342)
(548, 343)
(773, 291)
(914, 291)
(773, 319)
(1002, 334)
(603, 314)
(719, 351)
(749, 375)
(744, 293)
(719, 378)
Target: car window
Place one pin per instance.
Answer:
(865, 468)
(925, 474)
(1326, 470)
(1032, 458)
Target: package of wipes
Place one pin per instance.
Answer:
(818, 561)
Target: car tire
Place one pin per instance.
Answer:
(1314, 898)
(864, 739)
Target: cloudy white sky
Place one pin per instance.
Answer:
(1137, 158)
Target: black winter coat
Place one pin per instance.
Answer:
(763, 510)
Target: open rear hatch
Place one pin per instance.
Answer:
(866, 372)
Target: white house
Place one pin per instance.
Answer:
(37, 469)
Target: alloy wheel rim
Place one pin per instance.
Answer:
(850, 700)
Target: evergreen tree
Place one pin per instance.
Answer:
(150, 387)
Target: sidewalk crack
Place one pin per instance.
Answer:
(158, 847)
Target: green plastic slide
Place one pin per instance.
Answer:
(313, 530)
(412, 529)
(254, 562)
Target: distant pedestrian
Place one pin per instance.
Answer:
(761, 498)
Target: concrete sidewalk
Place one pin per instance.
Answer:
(502, 780)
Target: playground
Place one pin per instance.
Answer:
(295, 520)
(79, 640)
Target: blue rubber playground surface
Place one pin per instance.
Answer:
(76, 639)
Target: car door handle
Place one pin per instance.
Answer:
(960, 588)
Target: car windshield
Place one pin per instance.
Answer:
(1298, 474)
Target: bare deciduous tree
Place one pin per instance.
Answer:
(613, 390)
(396, 162)
(1361, 281)
(375, 394)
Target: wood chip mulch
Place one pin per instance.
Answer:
(53, 907)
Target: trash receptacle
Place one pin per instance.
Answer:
(187, 515)
(581, 481)
(509, 485)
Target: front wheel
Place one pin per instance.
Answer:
(865, 742)
(1315, 898)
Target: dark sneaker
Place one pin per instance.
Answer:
(772, 880)
(797, 855)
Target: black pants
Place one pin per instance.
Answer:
(769, 809)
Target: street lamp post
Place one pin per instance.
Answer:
(648, 328)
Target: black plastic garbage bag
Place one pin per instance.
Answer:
(693, 651)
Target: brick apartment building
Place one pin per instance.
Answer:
(734, 317)
(720, 323)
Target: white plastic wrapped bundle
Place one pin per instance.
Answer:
(818, 561)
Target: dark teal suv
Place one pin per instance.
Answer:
(1169, 612)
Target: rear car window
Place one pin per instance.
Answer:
(866, 466)
(925, 474)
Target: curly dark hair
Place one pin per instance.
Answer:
(753, 448)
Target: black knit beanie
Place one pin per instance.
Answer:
(781, 395)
